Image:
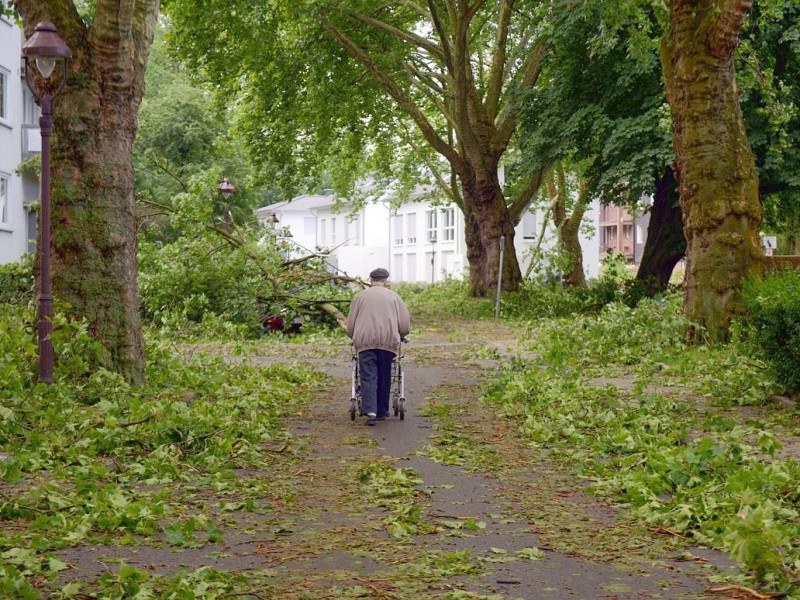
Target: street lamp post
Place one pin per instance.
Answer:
(47, 49)
(227, 189)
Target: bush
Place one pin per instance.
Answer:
(16, 282)
(449, 298)
(773, 316)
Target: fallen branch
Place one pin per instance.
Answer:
(138, 422)
(668, 531)
(746, 590)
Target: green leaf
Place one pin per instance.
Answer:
(55, 565)
(530, 553)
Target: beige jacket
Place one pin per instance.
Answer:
(378, 319)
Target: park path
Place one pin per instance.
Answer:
(489, 510)
(486, 516)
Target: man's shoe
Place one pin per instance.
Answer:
(371, 419)
(381, 417)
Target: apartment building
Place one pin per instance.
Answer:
(623, 232)
(19, 140)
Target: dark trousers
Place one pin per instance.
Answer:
(375, 370)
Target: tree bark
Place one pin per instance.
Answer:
(568, 227)
(718, 184)
(487, 222)
(665, 244)
(95, 121)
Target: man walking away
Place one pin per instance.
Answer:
(377, 321)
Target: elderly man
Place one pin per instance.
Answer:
(377, 321)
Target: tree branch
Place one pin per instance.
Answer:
(496, 76)
(525, 197)
(440, 31)
(398, 33)
(391, 88)
(530, 75)
(724, 35)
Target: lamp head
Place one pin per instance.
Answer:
(226, 188)
(46, 47)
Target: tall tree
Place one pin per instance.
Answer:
(601, 103)
(568, 210)
(768, 74)
(94, 225)
(356, 81)
(718, 183)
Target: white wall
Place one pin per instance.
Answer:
(530, 227)
(14, 226)
(400, 241)
(359, 245)
(303, 227)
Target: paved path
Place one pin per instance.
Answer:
(316, 533)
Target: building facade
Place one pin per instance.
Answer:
(417, 240)
(19, 140)
(623, 231)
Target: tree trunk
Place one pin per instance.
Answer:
(665, 244)
(95, 120)
(487, 222)
(568, 227)
(718, 184)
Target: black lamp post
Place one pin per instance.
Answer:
(47, 50)
(227, 189)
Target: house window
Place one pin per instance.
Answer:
(333, 231)
(448, 224)
(398, 230)
(4, 91)
(411, 227)
(309, 225)
(431, 225)
(323, 233)
(529, 225)
(3, 199)
(627, 231)
(30, 110)
(355, 231)
(411, 267)
(398, 268)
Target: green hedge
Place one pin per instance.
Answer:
(16, 282)
(773, 314)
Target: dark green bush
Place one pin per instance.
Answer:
(16, 282)
(773, 316)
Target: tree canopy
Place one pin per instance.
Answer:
(364, 87)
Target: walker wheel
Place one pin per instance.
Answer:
(353, 412)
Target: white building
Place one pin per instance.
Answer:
(19, 139)
(417, 241)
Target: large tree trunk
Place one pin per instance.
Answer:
(568, 227)
(487, 222)
(665, 244)
(718, 184)
(95, 120)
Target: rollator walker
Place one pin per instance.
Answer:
(397, 395)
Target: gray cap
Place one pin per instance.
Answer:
(379, 273)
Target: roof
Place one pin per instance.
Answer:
(301, 203)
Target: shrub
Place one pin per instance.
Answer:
(16, 282)
(773, 315)
(451, 297)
